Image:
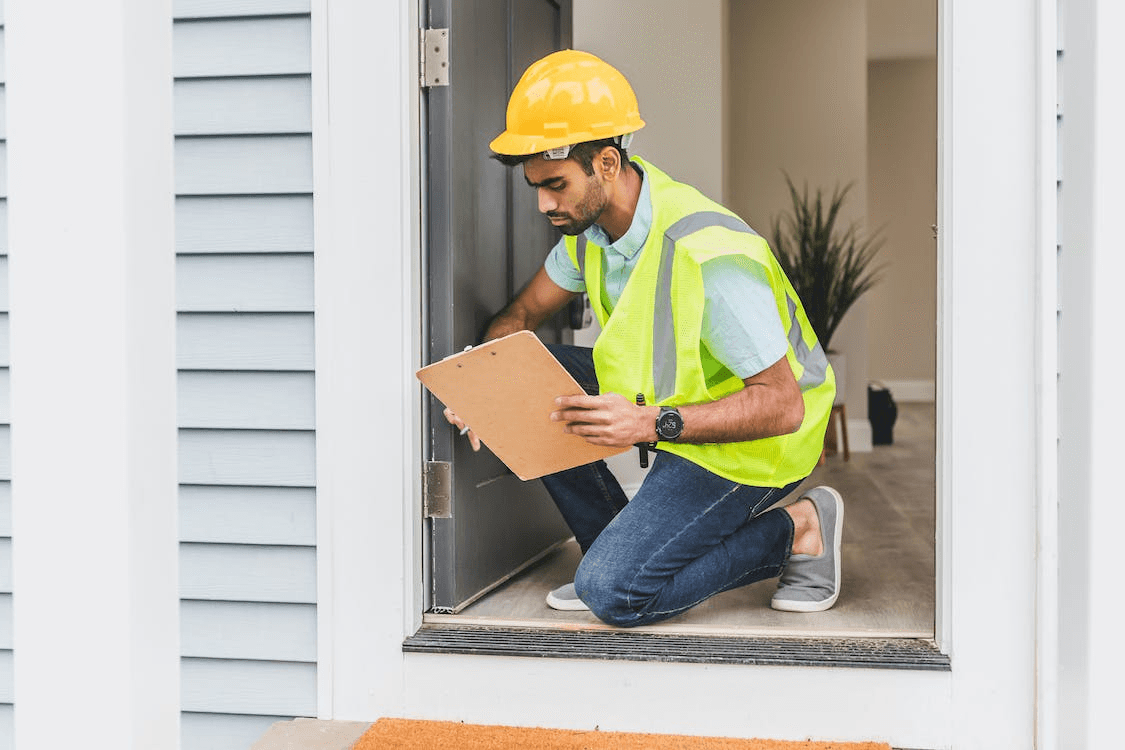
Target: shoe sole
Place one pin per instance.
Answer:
(566, 605)
(791, 605)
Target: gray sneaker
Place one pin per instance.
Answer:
(566, 599)
(811, 583)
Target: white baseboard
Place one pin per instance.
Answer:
(911, 391)
(859, 436)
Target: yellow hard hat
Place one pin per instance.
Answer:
(567, 97)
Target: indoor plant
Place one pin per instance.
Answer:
(829, 266)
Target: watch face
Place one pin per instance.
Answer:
(669, 425)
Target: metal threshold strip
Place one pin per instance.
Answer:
(862, 653)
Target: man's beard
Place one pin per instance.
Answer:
(587, 212)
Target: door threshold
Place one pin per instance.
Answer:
(585, 622)
(610, 643)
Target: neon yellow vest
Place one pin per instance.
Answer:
(650, 343)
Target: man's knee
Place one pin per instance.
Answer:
(607, 595)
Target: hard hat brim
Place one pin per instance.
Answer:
(516, 144)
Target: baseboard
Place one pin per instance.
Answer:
(911, 391)
(859, 436)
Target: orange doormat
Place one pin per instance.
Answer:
(405, 734)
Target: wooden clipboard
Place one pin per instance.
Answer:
(505, 390)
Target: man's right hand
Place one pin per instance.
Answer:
(459, 423)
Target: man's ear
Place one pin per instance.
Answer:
(610, 160)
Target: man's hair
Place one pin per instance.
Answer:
(583, 153)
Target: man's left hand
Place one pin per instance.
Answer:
(609, 419)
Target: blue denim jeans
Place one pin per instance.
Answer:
(686, 535)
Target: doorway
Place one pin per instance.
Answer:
(724, 140)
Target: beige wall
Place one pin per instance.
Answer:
(798, 103)
(672, 52)
(798, 84)
(902, 197)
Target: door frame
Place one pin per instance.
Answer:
(992, 208)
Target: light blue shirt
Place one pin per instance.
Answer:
(741, 326)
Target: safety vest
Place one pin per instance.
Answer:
(650, 343)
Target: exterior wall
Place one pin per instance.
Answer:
(1091, 161)
(244, 295)
(6, 677)
(368, 571)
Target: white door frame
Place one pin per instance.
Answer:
(993, 225)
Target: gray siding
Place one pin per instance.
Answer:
(244, 295)
(7, 736)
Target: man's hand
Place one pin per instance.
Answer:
(459, 423)
(609, 419)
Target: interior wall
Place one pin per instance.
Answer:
(682, 99)
(672, 53)
(902, 198)
(798, 85)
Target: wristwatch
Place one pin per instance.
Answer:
(669, 425)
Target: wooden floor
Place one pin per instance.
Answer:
(888, 559)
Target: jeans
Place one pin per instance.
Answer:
(686, 535)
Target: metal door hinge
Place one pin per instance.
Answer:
(437, 489)
(435, 57)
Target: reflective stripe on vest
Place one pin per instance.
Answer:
(813, 361)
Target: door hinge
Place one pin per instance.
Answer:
(437, 489)
(434, 61)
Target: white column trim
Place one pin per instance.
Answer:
(1046, 376)
(988, 436)
(366, 211)
(90, 165)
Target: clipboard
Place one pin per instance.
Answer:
(505, 390)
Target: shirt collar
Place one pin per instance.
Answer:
(630, 243)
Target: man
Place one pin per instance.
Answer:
(705, 355)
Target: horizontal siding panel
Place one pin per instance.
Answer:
(5, 566)
(4, 341)
(259, 224)
(248, 630)
(244, 165)
(4, 284)
(5, 508)
(3, 226)
(247, 400)
(7, 728)
(243, 341)
(223, 731)
(241, 283)
(3, 169)
(5, 396)
(217, 8)
(248, 573)
(248, 457)
(3, 111)
(242, 47)
(5, 452)
(3, 58)
(7, 684)
(5, 621)
(216, 106)
(248, 687)
(248, 515)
